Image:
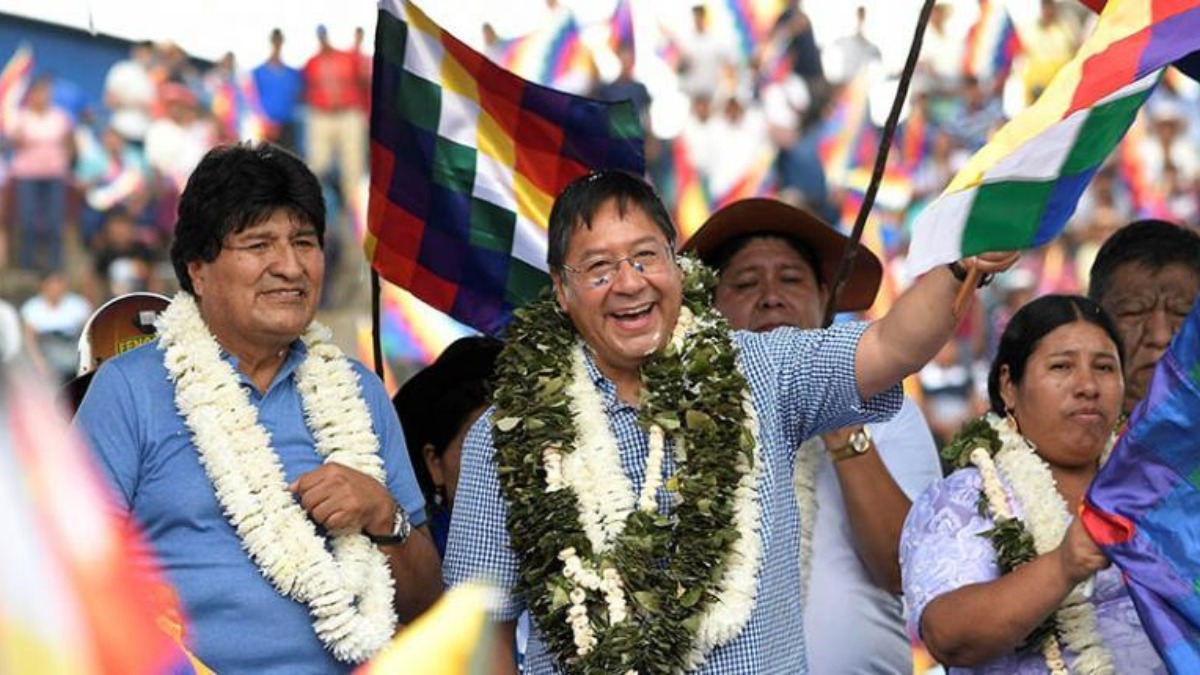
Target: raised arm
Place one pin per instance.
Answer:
(916, 327)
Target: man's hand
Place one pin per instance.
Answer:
(340, 498)
(992, 263)
(918, 324)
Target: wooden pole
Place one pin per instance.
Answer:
(885, 144)
(376, 340)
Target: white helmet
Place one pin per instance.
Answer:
(119, 325)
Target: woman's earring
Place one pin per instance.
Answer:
(1012, 420)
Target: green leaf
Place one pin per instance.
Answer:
(669, 422)
(691, 597)
(746, 443)
(553, 386)
(692, 623)
(559, 598)
(696, 419)
(647, 601)
(508, 423)
(974, 434)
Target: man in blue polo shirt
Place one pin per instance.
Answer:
(267, 470)
(280, 88)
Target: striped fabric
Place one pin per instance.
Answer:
(756, 180)
(76, 593)
(688, 190)
(411, 334)
(620, 26)
(991, 43)
(553, 55)
(1142, 505)
(847, 132)
(914, 138)
(751, 21)
(235, 106)
(14, 81)
(696, 196)
(466, 160)
(1188, 65)
(1020, 189)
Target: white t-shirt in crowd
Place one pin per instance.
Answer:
(850, 624)
(132, 90)
(706, 56)
(10, 332)
(67, 317)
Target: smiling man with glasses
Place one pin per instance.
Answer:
(632, 485)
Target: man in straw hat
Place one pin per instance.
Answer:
(776, 265)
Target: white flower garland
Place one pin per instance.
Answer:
(593, 469)
(724, 618)
(804, 481)
(1046, 519)
(349, 591)
(593, 472)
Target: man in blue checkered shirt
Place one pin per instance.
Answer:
(801, 383)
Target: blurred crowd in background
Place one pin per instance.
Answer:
(757, 106)
(105, 179)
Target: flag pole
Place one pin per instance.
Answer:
(965, 292)
(376, 342)
(885, 144)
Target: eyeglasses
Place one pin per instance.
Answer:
(599, 272)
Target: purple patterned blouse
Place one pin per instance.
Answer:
(941, 550)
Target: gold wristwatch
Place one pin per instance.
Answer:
(858, 444)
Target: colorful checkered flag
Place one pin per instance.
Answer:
(466, 160)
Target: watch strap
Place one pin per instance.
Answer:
(857, 445)
(401, 528)
(961, 272)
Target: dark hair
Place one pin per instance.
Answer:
(435, 404)
(578, 203)
(447, 417)
(235, 187)
(728, 249)
(119, 212)
(43, 80)
(1149, 243)
(1033, 322)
